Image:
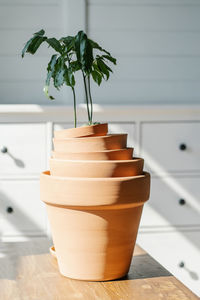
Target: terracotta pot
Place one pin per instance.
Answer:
(95, 130)
(94, 233)
(94, 197)
(94, 245)
(95, 143)
(117, 154)
(92, 168)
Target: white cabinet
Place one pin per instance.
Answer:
(170, 224)
(22, 212)
(171, 146)
(174, 201)
(22, 148)
(23, 152)
(178, 252)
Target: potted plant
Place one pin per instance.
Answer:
(95, 190)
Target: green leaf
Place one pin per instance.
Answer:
(75, 65)
(96, 46)
(52, 62)
(24, 50)
(84, 51)
(68, 42)
(40, 33)
(59, 71)
(110, 58)
(78, 39)
(55, 44)
(50, 70)
(97, 77)
(103, 68)
(36, 44)
(33, 44)
(69, 77)
(46, 91)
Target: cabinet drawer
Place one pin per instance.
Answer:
(128, 128)
(174, 201)
(22, 211)
(22, 148)
(178, 252)
(171, 147)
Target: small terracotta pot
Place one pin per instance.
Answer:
(96, 143)
(84, 131)
(117, 154)
(92, 168)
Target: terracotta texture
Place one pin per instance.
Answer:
(94, 193)
(94, 143)
(92, 168)
(95, 130)
(117, 154)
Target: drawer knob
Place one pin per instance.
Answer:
(4, 149)
(9, 210)
(182, 147)
(182, 201)
(181, 264)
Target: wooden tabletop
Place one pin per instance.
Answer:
(29, 272)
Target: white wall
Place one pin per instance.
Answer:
(156, 43)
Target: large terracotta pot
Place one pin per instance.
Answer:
(94, 194)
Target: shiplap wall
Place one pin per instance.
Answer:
(156, 43)
(22, 80)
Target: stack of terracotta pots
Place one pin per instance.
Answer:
(94, 194)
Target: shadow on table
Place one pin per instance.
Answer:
(144, 266)
(10, 253)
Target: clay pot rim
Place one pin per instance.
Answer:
(92, 137)
(83, 126)
(111, 179)
(133, 160)
(103, 151)
(82, 131)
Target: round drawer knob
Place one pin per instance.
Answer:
(181, 264)
(182, 147)
(4, 149)
(182, 201)
(9, 210)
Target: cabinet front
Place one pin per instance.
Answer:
(171, 146)
(22, 212)
(22, 148)
(174, 201)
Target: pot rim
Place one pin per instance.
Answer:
(103, 151)
(92, 137)
(102, 179)
(133, 160)
(83, 126)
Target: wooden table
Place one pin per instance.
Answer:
(29, 272)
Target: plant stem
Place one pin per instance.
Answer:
(87, 102)
(75, 116)
(90, 96)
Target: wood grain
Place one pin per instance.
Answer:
(29, 272)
